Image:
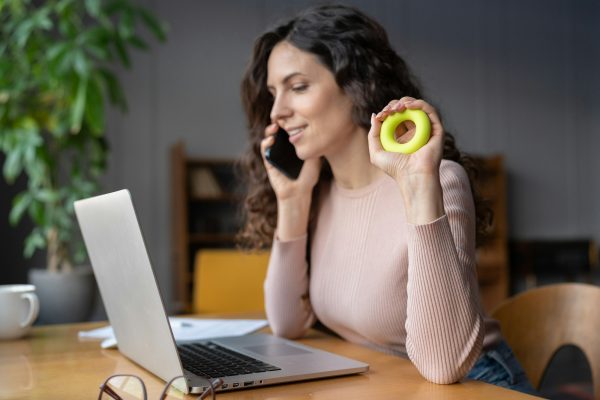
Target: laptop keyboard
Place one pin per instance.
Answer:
(213, 361)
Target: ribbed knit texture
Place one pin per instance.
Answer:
(376, 280)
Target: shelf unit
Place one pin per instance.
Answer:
(205, 198)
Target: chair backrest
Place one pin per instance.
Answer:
(538, 322)
(229, 281)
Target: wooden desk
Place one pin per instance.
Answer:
(51, 363)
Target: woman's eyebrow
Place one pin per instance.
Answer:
(286, 79)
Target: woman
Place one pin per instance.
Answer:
(377, 246)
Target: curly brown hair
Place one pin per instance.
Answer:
(356, 49)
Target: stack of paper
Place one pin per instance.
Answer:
(192, 328)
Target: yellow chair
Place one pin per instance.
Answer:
(538, 322)
(229, 281)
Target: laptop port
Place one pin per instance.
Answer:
(224, 386)
(235, 384)
(248, 383)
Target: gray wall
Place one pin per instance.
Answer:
(516, 77)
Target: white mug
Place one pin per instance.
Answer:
(19, 307)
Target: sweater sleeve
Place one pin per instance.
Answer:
(287, 303)
(444, 324)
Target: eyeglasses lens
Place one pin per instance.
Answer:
(176, 389)
(123, 388)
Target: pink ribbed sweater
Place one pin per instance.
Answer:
(376, 280)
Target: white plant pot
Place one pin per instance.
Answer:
(64, 296)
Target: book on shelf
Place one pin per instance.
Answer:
(203, 183)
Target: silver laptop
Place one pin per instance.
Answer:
(134, 306)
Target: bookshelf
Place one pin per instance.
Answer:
(205, 198)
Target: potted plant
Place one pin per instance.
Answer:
(56, 75)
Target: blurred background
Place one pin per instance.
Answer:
(515, 78)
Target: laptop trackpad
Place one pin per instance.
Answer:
(277, 349)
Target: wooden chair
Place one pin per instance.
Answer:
(538, 322)
(229, 281)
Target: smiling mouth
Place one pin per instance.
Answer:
(295, 131)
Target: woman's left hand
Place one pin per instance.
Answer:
(425, 161)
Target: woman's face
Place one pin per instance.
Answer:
(307, 102)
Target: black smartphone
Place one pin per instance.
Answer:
(282, 155)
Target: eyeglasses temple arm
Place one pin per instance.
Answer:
(214, 384)
(106, 389)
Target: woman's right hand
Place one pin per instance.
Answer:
(284, 187)
(293, 196)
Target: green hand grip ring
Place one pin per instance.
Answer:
(422, 131)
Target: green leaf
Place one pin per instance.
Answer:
(13, 165)
(79, 252)
(65, 222)
(113, 7)
(126, 25)
(63, 7)
(94, 109)
(113, 87)
(4, 140)
(87, 187)
(23, 32)
(41, 19)
(158, 29)
(20, 204)
(79, 106)
(37, 213)
(98, 52)
(34, 241)
(55, 50)
(97, 35)
(31, 144)
(121, 51)
(47, 196)
(137, 42)
(28, 123)
(63, 61)
(98, 153)
(81, 64)
(26, 28)
(93, 7)
(40, 169)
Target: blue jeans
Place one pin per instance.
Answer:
(500, 367)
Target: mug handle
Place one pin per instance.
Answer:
(34, 309)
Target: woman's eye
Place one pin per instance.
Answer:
(300, 88)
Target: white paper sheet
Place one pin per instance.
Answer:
(192, 328)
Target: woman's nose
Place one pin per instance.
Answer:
(280, 109)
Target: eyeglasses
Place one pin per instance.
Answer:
(131, 387)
